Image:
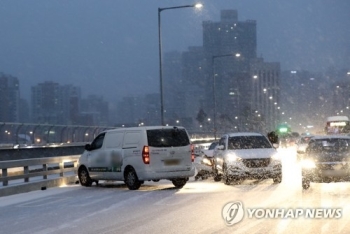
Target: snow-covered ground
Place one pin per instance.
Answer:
(159, 208)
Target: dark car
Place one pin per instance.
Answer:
(326, 159)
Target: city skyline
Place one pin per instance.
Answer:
(110, 47)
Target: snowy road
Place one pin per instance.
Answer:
(159, 208)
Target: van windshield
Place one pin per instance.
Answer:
(167, 137)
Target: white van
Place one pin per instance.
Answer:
(138, 154)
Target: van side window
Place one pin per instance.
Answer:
(97, 142)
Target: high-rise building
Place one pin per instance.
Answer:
(183, 86)
(265, 93)
(53, 103)
(130, 111)
(230, 36)
(9, 98)
(94, 111)
(224, 70)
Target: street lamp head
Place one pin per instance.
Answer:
(198, 5)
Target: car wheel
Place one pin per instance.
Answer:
(217, 177)
(179, 183)
(227, 179)
(305, 184)
(277, 179)
(84, 177)
(131, 179)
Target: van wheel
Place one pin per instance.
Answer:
(179, 183)
(216, 175)
(84, 177)
(131, 180)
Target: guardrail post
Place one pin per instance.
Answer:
(45, 170)
(61, 164)
(26, 172)
(4, 174)
(75, 167)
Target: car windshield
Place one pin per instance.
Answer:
(330, 145)
(248, 142)
(305, 140)
(213, 145)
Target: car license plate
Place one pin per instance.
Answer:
(258, 171)
(172, 162)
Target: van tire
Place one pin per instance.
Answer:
(131, 179)
(84, 177)
(179, 183)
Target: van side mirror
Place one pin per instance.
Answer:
(87, 147)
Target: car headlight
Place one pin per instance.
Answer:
(206, 161)
(307, 164)
(233, 158)
(276, 157)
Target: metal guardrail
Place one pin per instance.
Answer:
(61, 169)
(21, 164)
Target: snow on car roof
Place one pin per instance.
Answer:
(233, 134)
(147, 128)
(331, 137)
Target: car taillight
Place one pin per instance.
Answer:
(192, 153)
(145, 154)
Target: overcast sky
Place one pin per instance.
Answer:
(110, 47)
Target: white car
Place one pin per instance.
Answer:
(210, 151)
(241, 156)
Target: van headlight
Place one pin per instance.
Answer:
(308, 164)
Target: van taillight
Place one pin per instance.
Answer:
(192, 153)
(145, 154)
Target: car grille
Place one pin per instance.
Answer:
(332, 166)
(254, 163)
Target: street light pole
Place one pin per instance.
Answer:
(214, 89)
(198, 5)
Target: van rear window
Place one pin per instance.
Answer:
(167, 137)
